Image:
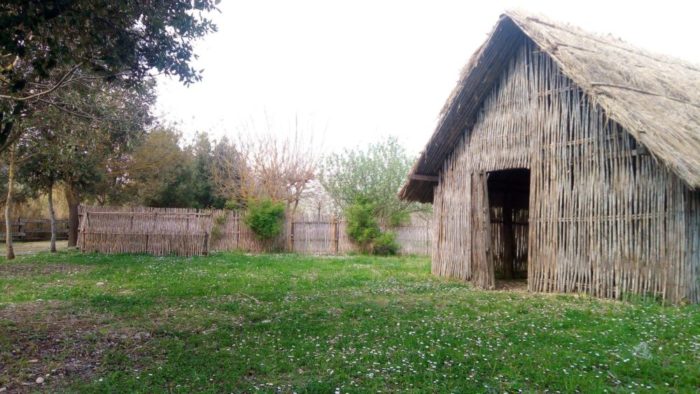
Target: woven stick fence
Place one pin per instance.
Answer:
(154, 231)
(189, 232)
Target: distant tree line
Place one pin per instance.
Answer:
(76, 92)
(75, 86)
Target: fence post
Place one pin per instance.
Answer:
(238, 231)
(427, 237)
(19, 229)
(331, 246)
(291, 236)
(336, 235)
(151, 230)
(85, 226)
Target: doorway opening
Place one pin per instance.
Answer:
(509, 196)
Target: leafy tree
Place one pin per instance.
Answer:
(205, 194)
(373, 175)
(226, 173)
(163, 172)
(160, 173)
(40, 173)
(46, 45)
(79, 137)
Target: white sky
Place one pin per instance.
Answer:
(356, 71)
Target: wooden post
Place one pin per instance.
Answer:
(508, 237)
(290, 236)
(206, 243)
(238, 231)
(427, 237)
(290, 246)
(332, 237)
(84, 227)
(337, 235)
(20, 237)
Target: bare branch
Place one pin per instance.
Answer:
(58, 84)
(63, 108)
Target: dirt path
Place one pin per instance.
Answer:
(33, 247)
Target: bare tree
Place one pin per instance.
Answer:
(267, 165)
(317, 204)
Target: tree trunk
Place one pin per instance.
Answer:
(52, 215)
(8, 206)
(73, 200)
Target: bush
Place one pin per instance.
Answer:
(362, 225)
(364, 230)
(399, 218)
(385, 244)
(216, 233)
(233, 205)
(265, 218)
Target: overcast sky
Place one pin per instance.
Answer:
(355, 71)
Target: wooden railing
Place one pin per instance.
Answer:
(25, 230)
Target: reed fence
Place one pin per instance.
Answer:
(189, 232)
(28, 230)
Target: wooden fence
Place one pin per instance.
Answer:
(187, 232)
(157, 231)
(26, 230)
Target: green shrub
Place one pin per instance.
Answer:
(364, 230)
(265, 218)
(385, 244)
(362, 225)
(233, 205)
(399, 218)
(218, 223)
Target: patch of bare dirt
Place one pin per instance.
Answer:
(30, 269)
(45, 345)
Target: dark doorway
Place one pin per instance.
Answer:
(509, 196)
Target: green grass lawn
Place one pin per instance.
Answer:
(286, 323)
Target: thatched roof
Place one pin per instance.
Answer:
(655, 98)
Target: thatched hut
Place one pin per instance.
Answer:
(570, 158)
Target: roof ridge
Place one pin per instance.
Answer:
(599, 38)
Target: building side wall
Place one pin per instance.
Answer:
(605, 217)
(692, 246)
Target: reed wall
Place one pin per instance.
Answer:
(604, 217)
